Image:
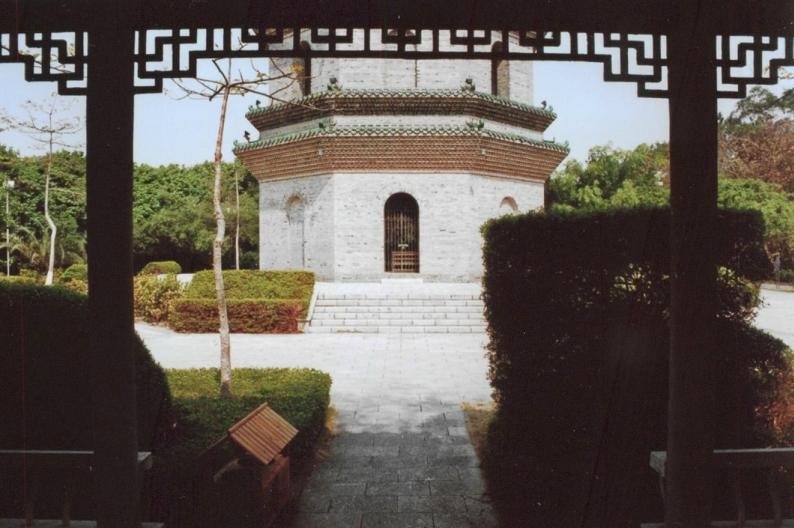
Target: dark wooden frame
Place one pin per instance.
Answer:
(690, 29)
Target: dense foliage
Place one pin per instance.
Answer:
(154, 296)
(757, 138)
(614, 178)
(577, 306)
(29, 235)
(172, 212)
(300, 396)
(173, 218)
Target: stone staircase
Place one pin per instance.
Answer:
(397, 306)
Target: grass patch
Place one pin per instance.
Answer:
(478, 419)
(201, 418)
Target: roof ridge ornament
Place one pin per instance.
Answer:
(333, 85)
(468, 85)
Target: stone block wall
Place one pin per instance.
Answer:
(280, 244)
(344, 222)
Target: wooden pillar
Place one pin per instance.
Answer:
(693, 197)
(109, 115)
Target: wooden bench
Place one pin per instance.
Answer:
(38, 463)
(768, 460)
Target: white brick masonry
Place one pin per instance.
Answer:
(343, 229)
(402, 73)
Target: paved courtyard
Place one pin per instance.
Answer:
(403, 457)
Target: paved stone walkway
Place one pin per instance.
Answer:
(403, 457)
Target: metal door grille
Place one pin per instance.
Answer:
(401, 222)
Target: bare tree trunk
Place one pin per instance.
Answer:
(217, 253)
(53, 228)
(237, 224)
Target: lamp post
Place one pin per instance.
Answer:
(9, 184)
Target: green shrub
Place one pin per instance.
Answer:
(577, 307)
(254, 284)
(154, 296)
(300, 396)
(257, 301)
(161, 267)
(279, 316)
(46, 385)
(75, 271)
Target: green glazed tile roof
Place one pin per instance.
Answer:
(394, 130)
(401, 93)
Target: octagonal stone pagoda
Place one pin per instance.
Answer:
(388, 168)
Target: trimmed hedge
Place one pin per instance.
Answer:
(154, 296)
(46, 401)
(278, 316)
(161, 267)
(45, 383)
(577, 306)
(257, 301)
(300, 396)
(253, 284)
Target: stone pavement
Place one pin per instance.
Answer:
(403, 457)
(776, 315)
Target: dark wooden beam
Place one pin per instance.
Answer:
(109, 116)
(630, 16)
(693, 200)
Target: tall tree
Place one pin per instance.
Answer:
(223, 84)
(613, 177)
(757, 138)
(44, 123)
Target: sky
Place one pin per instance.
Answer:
(167, 130)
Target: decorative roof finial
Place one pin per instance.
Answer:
(247, 136)
(333, 85)
(468, 85)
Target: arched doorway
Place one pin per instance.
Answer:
(296, 234)
(401, 241)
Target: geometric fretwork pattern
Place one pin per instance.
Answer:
(59, 57)
(173, 53)
(742, 61)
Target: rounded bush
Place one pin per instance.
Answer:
(161, 267)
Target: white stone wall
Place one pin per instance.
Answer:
(279, 247)
(344, 230)
(401, 73)
(490, 192)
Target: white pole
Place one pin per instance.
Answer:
(9, 185)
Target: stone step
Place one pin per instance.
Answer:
(398, 309)
(397, 329)
(344, 316)
(397, 296)
(398, 302)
